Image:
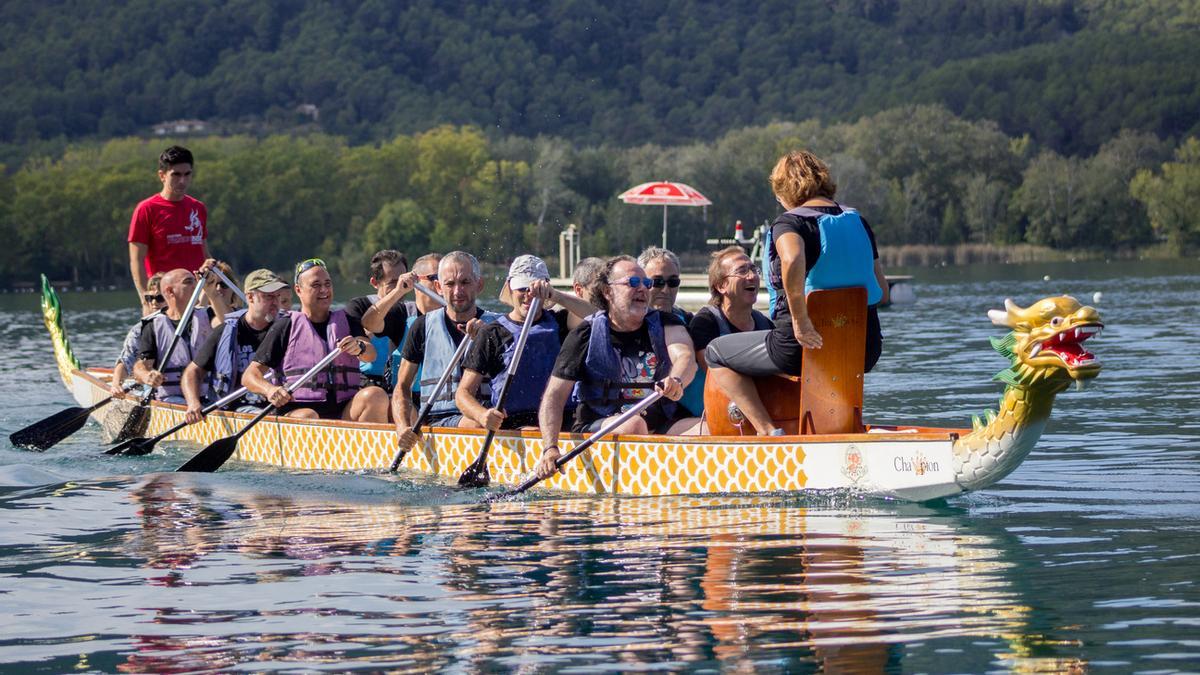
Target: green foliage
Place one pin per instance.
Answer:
(1172, 197)
(1070, 73)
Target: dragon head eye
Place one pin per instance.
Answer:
(1056, 321)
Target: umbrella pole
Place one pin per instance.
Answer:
(664, 225)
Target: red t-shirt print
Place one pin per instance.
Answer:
(174, 232)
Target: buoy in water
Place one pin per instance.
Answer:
(1046, 278)
(1097, 296)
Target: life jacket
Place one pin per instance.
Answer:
(387, 358)
(537, 362)
(693, 394)
(305, 348)
(197, 332)
(846, 258)
(439, 349)
(232, 359)
(613, 382)
(412, 318)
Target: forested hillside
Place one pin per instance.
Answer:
(1069, 73)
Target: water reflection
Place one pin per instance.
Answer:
(749, 583)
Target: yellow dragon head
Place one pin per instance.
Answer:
(1046, 342)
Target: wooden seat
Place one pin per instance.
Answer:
(827, 397)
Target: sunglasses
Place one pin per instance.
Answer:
(153, 298)
(636, 282)
(428, 277)
(670, 282)
(307, 265)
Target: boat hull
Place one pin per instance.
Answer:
(912, 464)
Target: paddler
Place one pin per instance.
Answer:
(228, 352)
(385, 315)
(615, 358)
(177, 288)
(297, 341)
(815, 244)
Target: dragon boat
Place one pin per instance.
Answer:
(829, 447)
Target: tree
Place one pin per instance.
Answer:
(1172, 198)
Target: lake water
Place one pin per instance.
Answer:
(1086, 558)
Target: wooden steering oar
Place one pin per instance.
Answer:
(558, 464)
(46, 433)
(427, 407)
(211, 458)
(142, 446)
(477, 474)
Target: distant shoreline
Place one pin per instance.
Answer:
(934, 255)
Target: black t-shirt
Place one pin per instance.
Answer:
(705, 328)
(148, 343)
(570, 362)
(248, 340)
(274, 345)
(486, 356)
(414, 348)
(394, 322)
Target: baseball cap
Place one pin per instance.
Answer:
(263, 280)
(521, 273)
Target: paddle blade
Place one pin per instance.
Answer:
(475, 476)
(211, 458)
(133, 447)
(46, 433)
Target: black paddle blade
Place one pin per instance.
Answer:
(211, 458)
(134, 447)
(476, 475)
(46, 433)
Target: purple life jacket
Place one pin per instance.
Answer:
(305, 348)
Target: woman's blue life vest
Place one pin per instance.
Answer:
(693, 394)
(533, 372)
(387, 358)
(189, 343)
(846, 258)
(305, 348)
(613, 382)
(439, 349)
(232, 359)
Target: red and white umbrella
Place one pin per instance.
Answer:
(664, 193)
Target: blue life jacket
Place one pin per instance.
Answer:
(613, 382)
(439, 349)
(537, 362)
(693, 395)
(232, 359)
(305, 348)
(846, 258)
(197, 332)
(416, 385)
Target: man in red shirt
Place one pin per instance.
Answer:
(169, 230)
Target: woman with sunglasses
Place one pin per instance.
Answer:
(816, 244)
(613, 359)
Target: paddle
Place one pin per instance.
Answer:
(436, 298)
(211, 458)
(477, 474)
(45, 434)
(604, 431)
(423, 416)
(229, 284)
(142, 446)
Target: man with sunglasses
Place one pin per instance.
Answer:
(123, 369)
(489, 358)
(614, 358)
(384, 316)
(178, 286)
(662, 266)
(297, 341)
(227, 352)
(431, 343)
(168, 230)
